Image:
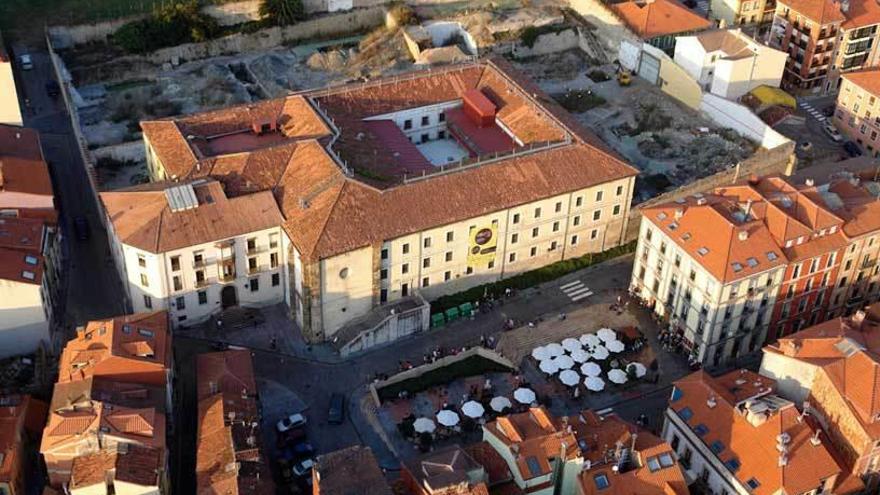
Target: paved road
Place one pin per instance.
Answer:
(94, 289)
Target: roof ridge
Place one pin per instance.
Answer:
(323, 229)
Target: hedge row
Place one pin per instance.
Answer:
(530, 278)
(472, 366)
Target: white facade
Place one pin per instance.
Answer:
(730, 75)
(434, 262)
(794, 377)
(10, 112)
(196, 282)
(25, 313)
(721, 320)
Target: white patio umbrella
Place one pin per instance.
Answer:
(580, 356)
(540, 353)
(600, 352)
(563, 362)
(571, 344)
(424, 425)
(554, 349)
(594, 383)
(590, 340)
(447, 417)
(549, 366)
(591, 369)
(617, 376)
(524, 395)
(607, 334)
(499, 403)
(569, 377)
(639, 368)
(473, 409)
(615, 346)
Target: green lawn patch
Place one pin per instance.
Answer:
(579, 101)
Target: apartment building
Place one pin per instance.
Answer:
(756, 15)
(229, 448)
(796, 254)
(188, 249)
(734, 435)
(659, 22)
(110, 406)
(832, 370)
(430, 182)
(10, 112)
(857, 113)
(30, 245)
(21, 421)
(825, 39)
(729, 63)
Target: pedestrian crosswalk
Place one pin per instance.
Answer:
(812, 111)
(576, 290)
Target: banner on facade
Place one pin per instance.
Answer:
(483, 244)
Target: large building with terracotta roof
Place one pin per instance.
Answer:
(857, 113)
(429, 182)
(825, 39)
(30, 247)
(349, 470)
(230, 456)
(833, 371)
(791, 253)
(733, 434)
(446, 471)
(189, 249)
(110, 406)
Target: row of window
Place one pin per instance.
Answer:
(425, 121)
(202, 295)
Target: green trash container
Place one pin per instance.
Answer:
(452, 314)
(466, 309)
(437, 320)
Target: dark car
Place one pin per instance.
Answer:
(291, 437)
(852, 149)
(53, 89)
(336, 411)
(81, 228)
(301, 450)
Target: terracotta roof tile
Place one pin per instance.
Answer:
(653, 18)
(533, 438)
(144, 219)
(136, 465)
(862, 13)
(819, 11)
(339, 472)
(868, 79)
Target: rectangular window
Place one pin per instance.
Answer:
(537, 212)
(276, 279)
(175, 263)
(555, 226)
(384, 253)
(404, 268)
(441, 117)
(148, 302)
(619, 191)
(516, 218)
(425, 138)
(511, 258)
(426, 281)
(203, 297)
(383, 274)
(535, 232)
(450, 236)
(426, 263)
(616, 210)
(383, 296)
(273, 260)
(597, 215)
(578, 201)
(404, 290)
(491, 265)
(574, 240)
(599, 195)
(252, 244)
(449, 256)
(425, 120)
(558, 206)
(576, 220)
(142, 261)
(144, 281)
(252, 263)
(514, 238)
(180, 303)
(447, 276)
(533, 251)
(255, 284)
(553, 246)
(273, 241)
(594, 234)
(178, 285)
(407, 124)
(405, 248)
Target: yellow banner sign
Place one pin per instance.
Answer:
(483, 244)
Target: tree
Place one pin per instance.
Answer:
(282, 12)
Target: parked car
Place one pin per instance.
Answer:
(53, 89)
(293, 421)
(336, 411)
(852, 149)
(26, 62)
(303, 468)
(300, 450)
(828, 111)
(832, 132)
(291, 437)
(81, 228)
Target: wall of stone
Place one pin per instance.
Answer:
(780, 160)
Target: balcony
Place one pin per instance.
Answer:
(258, 269)
(200, 284)
(202, 263)
(226, 277)
(256, 249)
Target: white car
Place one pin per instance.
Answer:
(292, 421)
(26, 62)
(832, 132)
(303, 468)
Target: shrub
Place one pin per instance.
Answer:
(472, 366)
(530, 35)
(403, 14)
(170, 24)
(282, 12)
(597, 75)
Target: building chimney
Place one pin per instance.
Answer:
(679, 212)
(844, 6)
(742, 235)
(858, 318)
(810, 182)
(815, 440)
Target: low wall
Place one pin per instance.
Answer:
(227, 14)
(393, 327)
(440, 363)
(740, 118)
(548, 43)
(778, 161)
